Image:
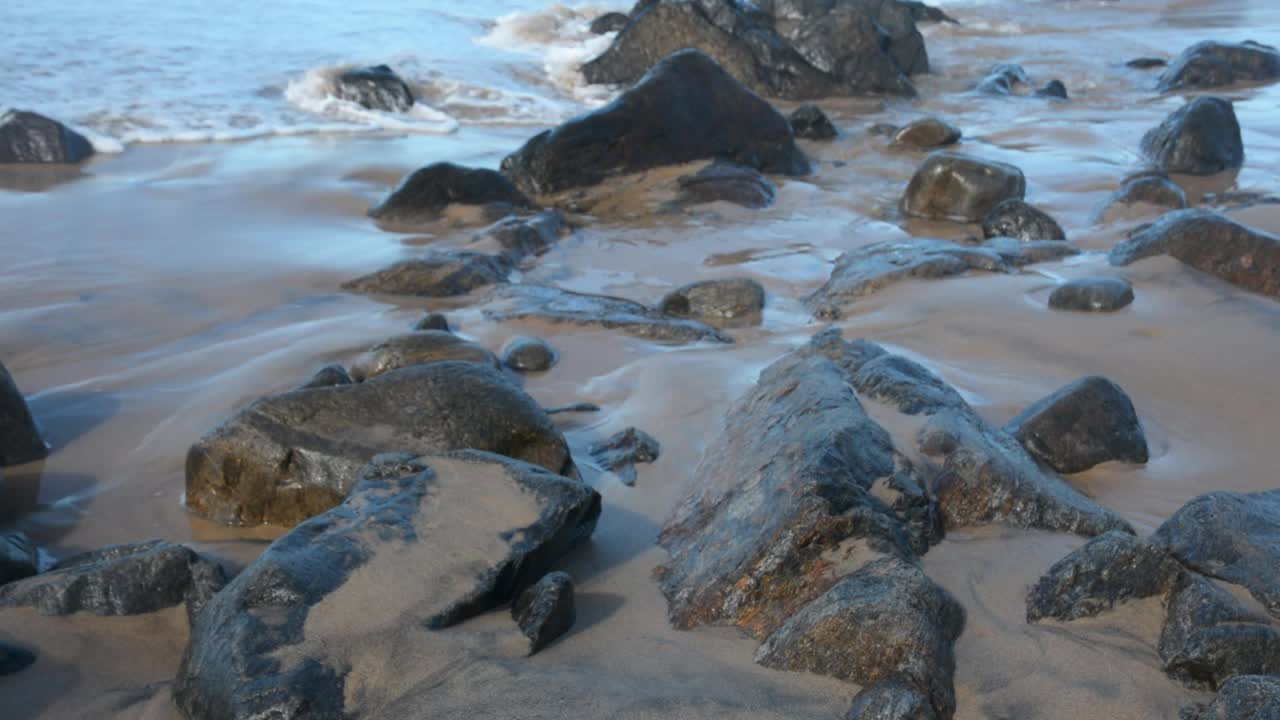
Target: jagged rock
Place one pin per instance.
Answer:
(426, 192)
(906, 384)
(1209, 636)
(1002, 79)
(418, 348)
(1106, 571)
(809, 122)
(1146, 63)
(328, 376)
(727, 182)
(467, 532)
(433, 321)
(517, 302)
(1082, 424)
(377, 87)
(18, 556)
(962, 188)
(1097, 294)
(545, 610)
(1199, 138)
(440, 274)
(288, 457)
(609, 22)
(528, 354)
(1245, 697)
(518, 238)
(1214, 64)
(893, 699)
(14, 659)
(687, 108)
(1231, 536)
(717, 302)
(26, 137)
(620, 452)
(1053, 89)
(1021, 220)
(120, 580)
(20, 440)
(926, 133)
(867, 47)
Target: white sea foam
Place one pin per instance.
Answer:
(314, 93)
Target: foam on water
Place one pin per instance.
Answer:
(314, 93)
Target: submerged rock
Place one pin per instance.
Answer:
(329, 376)
(517, 238)
(529, 354)
(620, 452)
(717, 302)
(26, 137)
(425, 193)
(18, 556)
(464, 533)
(545, 610)
(1199, 138)
(433, 321)
(1245, 697)
(20, 440)
(1146, 63)
(14, 659)
(1021, 220)
(1096, 294)
(1209, 636)
(518, 302)
(926, 133)
(1108, 570)
(609, 22)
(377, 87)
(1082, 424)
(418, 348)
(962, 188)
(1215, 64)
(892, 699)
(809, 122)
(726, 182)
(1053, 89)
(1154, 189)
(1002, 79)
(440, 274)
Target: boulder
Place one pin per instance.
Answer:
(686, 108)
(439, 274)
(529, 354)
(1020, 220)
(1092, 294)
(961, 188)
(1244, 697)
(517, 238)
(726, 182)
(1082, 424)
(377, 87)
(425, 193)
(729, 301)
(433, 321)
(418, 348)
(328, 376)
(1216, 64)
(19, 557)
(20, 440)
(545, 611)
(300, 632)
(893, 699)
(868, 48)
(288, 457)
(519, 302)
(1108, 570)
(26, 137)
(1209, 636)
(620, 452)
(1199, 138)
(926, 134)
(14, 659)
(609, 22)
(809, 122)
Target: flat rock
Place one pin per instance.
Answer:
(726, 182)
(418, 348)
(545, 611)
(1199, 138)
(1209, 636)
(440, 274)
(461, 534)
(1216, 64)
(1108, 570)
(961, 188)
(425, 193)
(376, 87)
(1082, 424)
(729, 301)
(620, 452)
(529, 354)
(19, 557)
(14, 659)
(893, 699)
(609, 22)
(518, 238)
(26, 137)
(809, 122)
(20, 440)
(1092, 294)
(329, 376)
(290, 456)
(926, 134)
(1021, 220)
(1244, 697)
(518, 302)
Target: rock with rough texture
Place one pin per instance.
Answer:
(961, 188)
(18, 556)
(433, 321)
(518, 302)
(517, 238)
(440, 274)
(893, 699)
(20, 440)
(730, 301)
(425, 193)
(329, 376)
(609, 22)
(1002, 79)
(461, 534)
(418, 348)
(906, 384)
(726, 182)
(288, 457)
(1021, 220)
(1199, 138)
(1233, 537)
(926, 134)
(1082, 424)
(377, 87)
(809, 122)
(1154, 189)
(1094, 294)
(14, 659)
(26, 137)
(1215, 64)
(1209, 636)
(120, 580)
(1108, 570)
(687, 108)
(545, 610)
(1244, 697)
(620, 452)
(529, 354)
(1054, 89)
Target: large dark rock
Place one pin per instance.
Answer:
(14, 659)
(1209, 636)
(926, 134)
(529, 354)
(809, 122)
(120, 580)
(26, 137)
(1082, 424)
(1106, 571)
(460, 534)
(290, 456)
(1245, 697)
(620, 452)
(20, 440)
(962, 188)
(1199, 138)
(1231, 536)
(517, 302)
(518, 238)
(867, 47)
(376, 87)
(440, 274)
(426, 192)
(726, 182)
(418, 348)
(1021, 220)
(1097, 294)
(893, 699)
(719, 302)
(687, 108)
(19, 557)
(545, 611)
(1215, 64)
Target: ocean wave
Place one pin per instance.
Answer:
(314, 93)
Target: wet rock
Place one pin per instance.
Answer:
(923, 13)
(1096, 294)
(727, 182)
(1199, 138)
(518, 238)
(1209, 636)
(418, 348)
(465, 533)
(14, 659)
(906, 384)
(962, 188)
(809, 122)
(926, 133)
(1210, 243)
(1002, 79)
(377, 87)
(518, 302)
(440, 274)
(20, 440)
(620, 452)
(1230, 536)
(1108, 570)
(1146, 63)
(433, 321)
(1053, 89)
(1215, 64)
(288, 457)
(867, 47)
(328, 376)
(26, 137)
(425, 193)
(1021, 220)
(529, 354)
(891, 700)
(1244, 697)
(582, 407)
(120, 580)
(718, 302)
(887, 620)
(18, 556)
(1082, 424)
(609, 22)
(545, 610)
(1157, 190)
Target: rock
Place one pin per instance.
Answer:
(726, 182)
(26, 137)
(906, 384)
(20, 440)
(1233, 537)
(518, 238)
(374, 88)
(1244, 697)
(1002, 79)
(418, 348)
(328, 376)
(809, 122)
(961, 188)
(425, 193)
(545, 611)
(288, 457)
(433, 321)
(1209, 636)
(1106, 571)
(14, 659)
(867, 47)
(1146, 63)
(620, 452)
(18, 556)
(528, 354)
(1053, 89)
(1093, 294)
(1210, 243)
(1214, 64)
(891, 700)
(609, 22)
(518, 302)
(120, 580)
(1199, 138)
(461, 534)
(440, 274)
(885, 621)
(926, 13)
(687, 108)
(581, 407)
(1021, 220)
(926, 133)
(1151, 189)
(1082, 424)
(717, 302)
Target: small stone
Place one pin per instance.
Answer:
(529, 354)
(418, 348)
(329, 376)
(433, 321)
(545, 611)
(14, 659)
(926, 133)
(1100, 294)
(1053, 89)
(18, 556)
(440, 274)
(621, 451)
(424, 194)
(726, 182)
(582, 407)
(960, 188)
(375, 88)
(609, 22)
(716, 301)
(1018, 219)
(1146, 63)
(810, 123)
